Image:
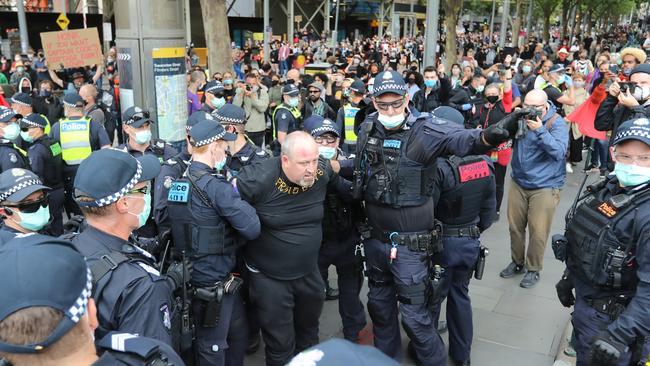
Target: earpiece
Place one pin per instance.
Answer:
(9, 211)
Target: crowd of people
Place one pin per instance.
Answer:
(379, 165)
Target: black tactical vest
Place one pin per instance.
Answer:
(460, 205)
(389, 176)
(596, 253)
(53, 175)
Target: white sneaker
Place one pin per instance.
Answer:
(569, 169)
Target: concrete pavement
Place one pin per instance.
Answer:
(512, 325)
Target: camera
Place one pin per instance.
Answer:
(248, 88)
(534, 113)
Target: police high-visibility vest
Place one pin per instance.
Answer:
(75, 140)
(348, 122)
(296, 115)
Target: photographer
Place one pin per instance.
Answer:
(255, 100)
(625, 101)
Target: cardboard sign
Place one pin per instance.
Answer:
(72, 48)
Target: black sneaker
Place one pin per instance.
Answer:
(512, 269)
(331, 293)
(530, 279)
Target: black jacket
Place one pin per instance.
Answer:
(610, 115)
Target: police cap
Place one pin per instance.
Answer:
(388, 82)
(317, 125)
(22, 99)
(230, 114)
(33, 120)
(136, 117)
(449, 114)
(197, 117)
(290, 90)
(16, 184)
(635, 129)
(6, 114)
(213, 87)
(358, 87)
(206, 132)
(73, 100)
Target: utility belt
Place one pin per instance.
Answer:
(612, 306)
(212, 297)
(422, 241)
(468, 231)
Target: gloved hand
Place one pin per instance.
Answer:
(504, 129)
(466, 107)
(605, 350)
(175, 273)
(76, 224)
(564, 289)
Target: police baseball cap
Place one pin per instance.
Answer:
(109, 174)
(213, 87)
(389, 82)
(6, 114)
(336, 352)
(197, 117)
(449, 114)
(358, 87)
(643, 68)
(230, 114)
(39, 270)
(290, 90)
(557, 68)
(136, 117)
(33, 120)
(635, 129)
(73, 100)
(16, 184)
(317, 125)
(22, 99)
(206, 132)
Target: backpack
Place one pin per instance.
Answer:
(110, 119)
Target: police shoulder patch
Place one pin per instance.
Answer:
(13, 158)
(283, 116)
(167, 182)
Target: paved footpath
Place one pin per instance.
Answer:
(512, 325)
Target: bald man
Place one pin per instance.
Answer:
(285, 284)
(538, 174)
(88, 93)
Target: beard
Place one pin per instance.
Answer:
(305, 183)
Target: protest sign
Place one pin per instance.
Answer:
(72, 48)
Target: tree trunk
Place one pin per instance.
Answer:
(452, 10)
(547, 25)
(565, 17)
(577, 20)
(217, 35)
(517, 26)
(589, 14)
(108, 8)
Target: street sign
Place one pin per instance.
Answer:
(297, 18)
(63, 21)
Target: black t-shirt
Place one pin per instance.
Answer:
(291, 218)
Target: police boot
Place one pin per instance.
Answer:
(331, 293)
(442, 326)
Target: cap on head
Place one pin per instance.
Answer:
(564, 51)
(213, 87)
(635, 129)
(197, 117)
(317, 125)
(389, 82)
(109, 174)
(449, 114)
(557, 69)
(230, 114)
(33, 120)
(16, 184)
(43, 261)
(136, 117)
(73, 100)
(358, 87)
(290, 90)
(23, 99)
(77, 75)
(6, 114)
(643, 69)
(206, 132)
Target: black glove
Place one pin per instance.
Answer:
(605, 350)
(564, 289)
(504, 129)
(175, 273)
(76, 224)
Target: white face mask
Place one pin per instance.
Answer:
(391, 121)
(641, 93)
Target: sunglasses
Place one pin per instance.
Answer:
(25, 129)
(140, 115)
(32, 206)
(143, 190)
(328, 139)
(384, 106)
(218, 95)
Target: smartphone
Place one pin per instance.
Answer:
(613, 69)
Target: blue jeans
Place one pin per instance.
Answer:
(599, 155)
(284, 67)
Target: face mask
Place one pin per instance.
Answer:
(411, 81)
(370, 88)
(275, 82)
(641, 93)
(144, 215)
(26, 89)
(627, 71)
(327, 152)
(12, 131)
(492, 99)
(45, 93)
(227, 81)
(430, 83)
(631, 175)
(36, 220)
(20, 69)
(220, 164)
(391, 121)
(142, 137)
(560, 80)
(480, 88)
(26, 137)
(526, 69)
(293, 102)
(346, 93)
(218, 102)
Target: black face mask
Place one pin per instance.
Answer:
(25, 89)
(492, 99)
(275, 82)
(411, 81)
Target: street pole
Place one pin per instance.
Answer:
(529, 19)
(431, 36)
(504, 23)
(290, 21)
(188, 28)
(22, 25)
(335, 34)
(267, 33)
(380, 30)
(494, 6)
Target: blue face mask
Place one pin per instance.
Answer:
(293, 102)
(142, 137)
(144, 215)
(11, 132)
(391, 121)
(36, 220)
(220, 164)
(218, 102)
(227, 81)
(631, 175)
(526, 69)
(327, 152)
(430, 83)
(26, 137)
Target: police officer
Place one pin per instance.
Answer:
(340, 235)
(23, 203)
(11, 156)
(23, 103)
(208, 218)
(394, 173)
(347, 113)
(606, 252)
(467, 190)
(78, 136)
(286, 116)
(214, 97)
(45, 160)
(41, 324)
(114, 192)
(242, 151)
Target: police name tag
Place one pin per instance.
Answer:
(392, 144)
(179, 192)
